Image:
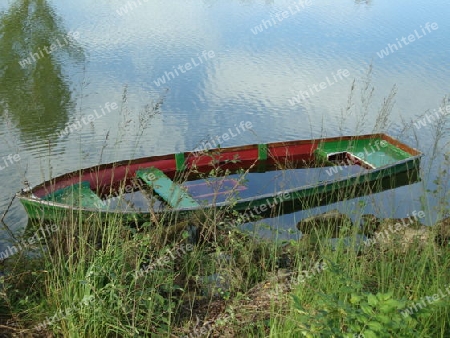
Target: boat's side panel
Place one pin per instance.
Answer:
(47, 211)
(377, 152)
(401, 145)
(302, 151)
(312, 195)
(205, 158)
(101, 177)
(79, 194)
(279, 152)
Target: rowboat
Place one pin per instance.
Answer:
(257, 179)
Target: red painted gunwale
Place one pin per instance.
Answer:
(102, 177)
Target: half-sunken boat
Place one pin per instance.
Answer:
(258, 178)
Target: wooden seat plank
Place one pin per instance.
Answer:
(169, 191)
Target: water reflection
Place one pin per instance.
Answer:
(34, 90)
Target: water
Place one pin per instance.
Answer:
(289, 75)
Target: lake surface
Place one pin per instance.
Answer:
(287, 67)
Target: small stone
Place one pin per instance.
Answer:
(329, 224)
(389, 231)
(442, 231)
(369, 224)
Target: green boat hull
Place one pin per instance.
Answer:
(371, 163)
(406, 172)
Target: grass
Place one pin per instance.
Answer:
(112, 280)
